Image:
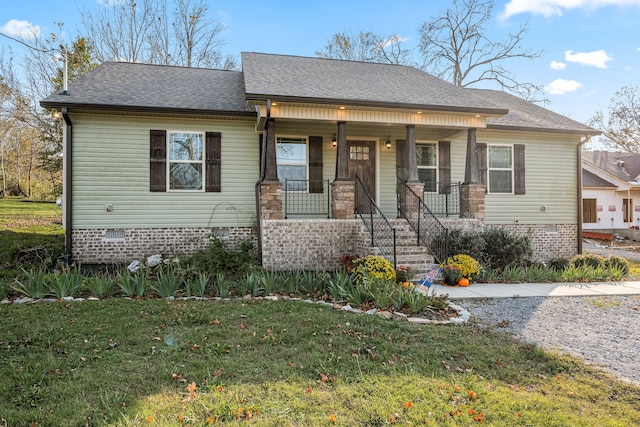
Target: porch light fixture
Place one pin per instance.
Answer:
(334, 141)
(387, 143)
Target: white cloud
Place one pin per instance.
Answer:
(556, 7)
(555, 65)
(597, 58)
(562, 86)
(21, 29)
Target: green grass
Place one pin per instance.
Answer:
(30, 237)
(129, 362)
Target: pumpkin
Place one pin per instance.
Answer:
(464, 282)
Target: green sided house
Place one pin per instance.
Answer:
(312, 159)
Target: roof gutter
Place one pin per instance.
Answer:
(67, 194)
(263, 162)
(583, 141)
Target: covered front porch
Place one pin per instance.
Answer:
(361, 182)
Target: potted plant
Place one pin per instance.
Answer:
(451, 274)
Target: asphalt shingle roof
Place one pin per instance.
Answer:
(592, 180)
(525, 114)
(295, 77)
(132, 85)
(625, 166)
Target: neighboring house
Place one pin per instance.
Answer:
(610, 191)
(158, 158)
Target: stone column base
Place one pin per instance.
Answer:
(409, 203)
(343, 199)
(472, 201)
(271, 200)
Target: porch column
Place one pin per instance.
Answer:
(342, 154)
(471, 169)
(269, 151)
(270, 186)
(472, 191)
(343, 188)
(411, 160)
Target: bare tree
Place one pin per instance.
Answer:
(143, 31)
(198, 42)
(455, 46)
(366, 47)
(121, 30)
(621, 127)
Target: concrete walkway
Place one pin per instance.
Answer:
(504, 290)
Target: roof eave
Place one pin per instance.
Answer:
(580, 132)
(377, 104)
(144, 109)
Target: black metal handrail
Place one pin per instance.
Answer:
(442, 199)
(306, 198)
(430, 231)
(383, 234)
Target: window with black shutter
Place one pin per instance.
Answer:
(184, 161)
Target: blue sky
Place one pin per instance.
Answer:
(592, 47)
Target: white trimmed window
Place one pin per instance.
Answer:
(500, 168)
(185, 161)
(291, 157)
(427, 160)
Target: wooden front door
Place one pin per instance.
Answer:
(362, 161)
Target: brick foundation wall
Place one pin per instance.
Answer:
(307, 244)
(550, 241)
(99, 246)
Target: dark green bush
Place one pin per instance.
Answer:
(504, 248)
(468, 242)
(217, 258)
(559, 264)
(495, 247)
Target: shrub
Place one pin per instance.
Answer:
(467, 242)
(468, 266)
(217, 258)
(617, 262)
(64, 284)
(505, 248)
(374, 266)
(592, 260)
(99, 286)
(559, 264)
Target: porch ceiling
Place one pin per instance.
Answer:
(349, 113)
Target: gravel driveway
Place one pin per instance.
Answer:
(603, 330)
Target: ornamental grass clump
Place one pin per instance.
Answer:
(374, 266)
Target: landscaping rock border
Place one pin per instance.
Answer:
(463, 314)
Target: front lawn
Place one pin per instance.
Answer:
(159, 362)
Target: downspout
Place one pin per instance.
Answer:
(67, 190)
(583, 141)
(263, 163)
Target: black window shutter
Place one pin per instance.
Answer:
(157, 160)
(518, 172)
(444, 167)
(481, 151)
(315, 164)
(213, 141)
